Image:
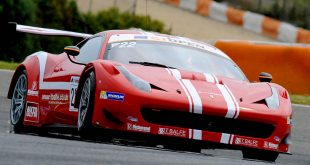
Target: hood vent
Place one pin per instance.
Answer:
(157, 88)
(263, 101)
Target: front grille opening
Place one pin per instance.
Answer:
(207, 123)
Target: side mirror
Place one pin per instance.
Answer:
(265, 77)
(72, 50)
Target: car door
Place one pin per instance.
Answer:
(70, 72)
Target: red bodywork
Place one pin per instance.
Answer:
(53, 81)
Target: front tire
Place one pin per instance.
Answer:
(86, 107)
(18, 103)
(270, 156)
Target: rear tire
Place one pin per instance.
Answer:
(86, 107)
(270, 156)
(18, 103)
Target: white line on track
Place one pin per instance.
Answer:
(300, 105)
(5, 70)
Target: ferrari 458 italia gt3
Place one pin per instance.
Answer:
(153, 84)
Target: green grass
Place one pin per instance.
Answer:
(8, 65)
(300, 99)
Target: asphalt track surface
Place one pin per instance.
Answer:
(32, 149)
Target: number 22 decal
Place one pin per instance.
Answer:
(73, 88)
(124, 45)
(72, 95)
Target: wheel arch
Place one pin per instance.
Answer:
(19, 70)
(31, 66)
(89, 67)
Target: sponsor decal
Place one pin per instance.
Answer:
(277, 139)
(135, 127)
(34, 89)
(32, 93)
(123, 45)
(130, 118)
(112, 96)
(34, 85)
(56, 98)
(163, 38)
(270, 145)
(246, 142)
(183, 41)
(74, 82)
(141, 37)
(172, 132)
(32, 112)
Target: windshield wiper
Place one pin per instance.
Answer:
(151, 64)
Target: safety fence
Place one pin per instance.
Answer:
(248, 20)
(289, 64)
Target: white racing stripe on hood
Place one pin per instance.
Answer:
(231, 108)
(209, 78)
(176, 73)
(191, 92)
(235, 101)
(195, 96)
(194, 99)
(215, 78)
(177, 76)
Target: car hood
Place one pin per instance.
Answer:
(225, 96)
(164, 79)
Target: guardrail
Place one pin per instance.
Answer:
(248, 20)
(288, 63)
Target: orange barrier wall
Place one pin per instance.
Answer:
(288, 64)
(251, 21)
(173, 2)
(303, 36)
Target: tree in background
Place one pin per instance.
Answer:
(60, 14)
(23, 11)
(296, 12)
(57, 14)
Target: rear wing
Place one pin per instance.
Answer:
(45, 31)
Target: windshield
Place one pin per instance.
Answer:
(174, 56)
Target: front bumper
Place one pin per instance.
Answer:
(127, 115)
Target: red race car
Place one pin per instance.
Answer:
(153, 84)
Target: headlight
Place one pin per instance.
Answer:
(134, 80)
(273, 101)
